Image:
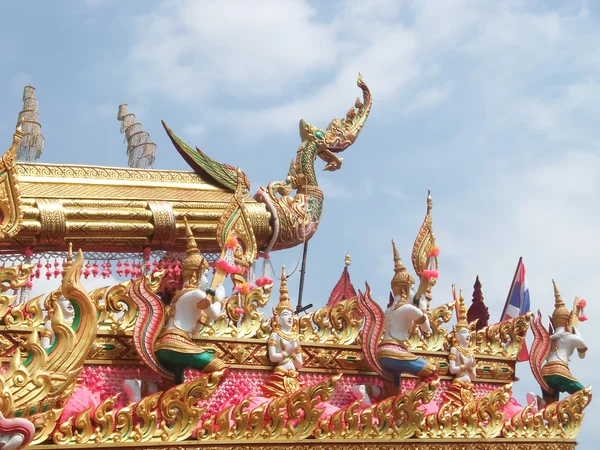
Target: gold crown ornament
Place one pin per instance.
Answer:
(461, 312)
(193, 263)
(402, 281)
(284, 298)
(561, 315)
(284, 305)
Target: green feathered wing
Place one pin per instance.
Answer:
(223, 175)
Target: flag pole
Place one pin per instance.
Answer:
(299, 307)
(510, 290)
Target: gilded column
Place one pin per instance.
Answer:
(53, 223)
(163, 218)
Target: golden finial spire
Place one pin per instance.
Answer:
(402, 281)
(193, 261)
(429, 201)
(560, 316)
(284, 299)
(461, 313)
(558, 301)
(347, 260)
(69, 261)
(192, 247)
(398, 266)
(283, 291)
(424, 242)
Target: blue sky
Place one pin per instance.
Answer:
(492, 106)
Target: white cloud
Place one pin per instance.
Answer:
(193, 50)
(182, 53)
(428, 99)
(195, 130)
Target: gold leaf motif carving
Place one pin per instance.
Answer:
(14, 277)
(289, 417)
(167, 416)
(558, 420)
(480, 418)
(501, 339)
(438, 337)
(11, 216)
(338, 325)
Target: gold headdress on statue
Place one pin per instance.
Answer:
(461, 312)
(193, 263)
(561, 315)
(462, 322)
(193, 266)
(283, 305)
(402, 282)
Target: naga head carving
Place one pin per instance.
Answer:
(340, 134)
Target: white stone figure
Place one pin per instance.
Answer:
(550, 361)
(461, 360)
(284, 347)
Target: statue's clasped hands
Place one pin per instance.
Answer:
(291, 347)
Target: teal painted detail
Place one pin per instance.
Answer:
(77, 316)
(562, 384)
(177, 362)
(319, 134)
(53, 346)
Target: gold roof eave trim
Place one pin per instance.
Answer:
(69, 174)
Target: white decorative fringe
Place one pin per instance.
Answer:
(32, 142)
(141, 151)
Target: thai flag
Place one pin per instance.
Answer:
(517, 302)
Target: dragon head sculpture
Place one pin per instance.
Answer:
(340, 134)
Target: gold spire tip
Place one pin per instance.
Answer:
(429, 201)
(347, 260)
(396, 252)
(283, 291)
(192, 247)
(557, 297)
(398, 266)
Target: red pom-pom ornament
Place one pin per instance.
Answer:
(435, 251)
(227, 267)
(263, 281)
(431, 273)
